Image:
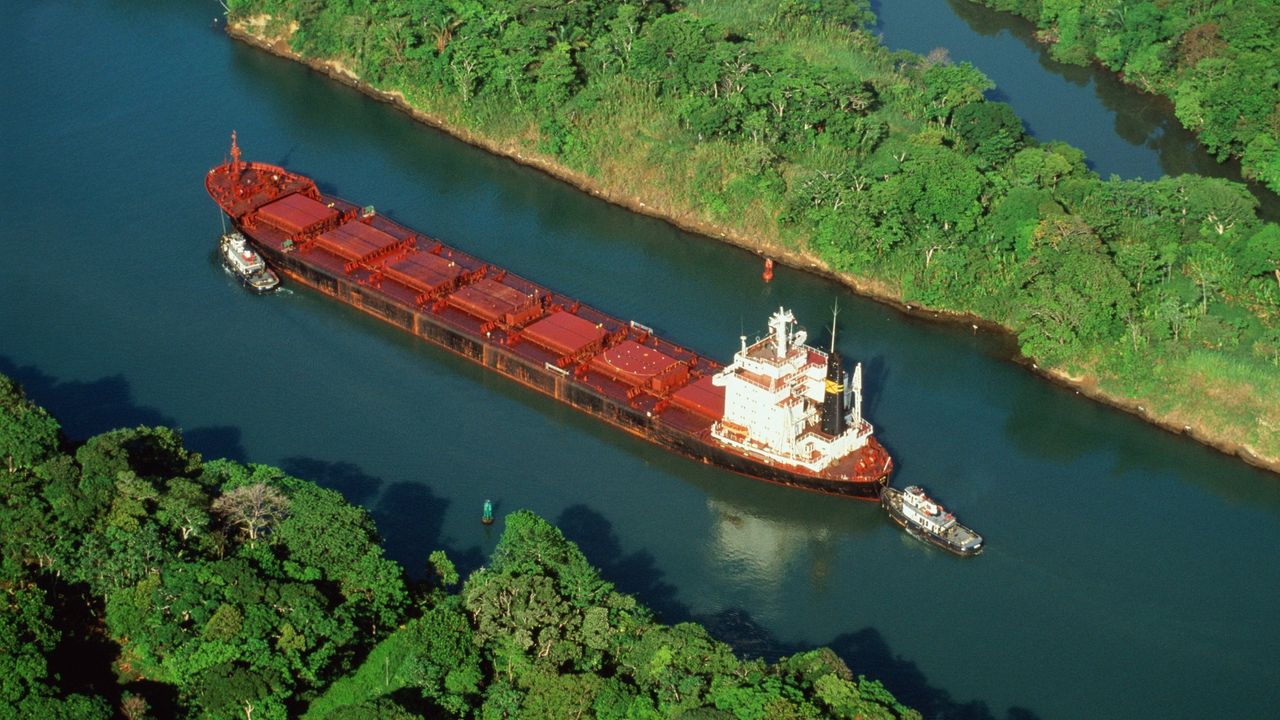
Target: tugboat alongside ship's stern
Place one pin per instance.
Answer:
(924, 518)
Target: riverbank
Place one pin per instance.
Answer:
(252, 31)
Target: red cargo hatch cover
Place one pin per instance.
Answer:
(563, 333)
(354, 240)
(702, 397)
(424, 271)
(631, 361)
(295, 213)
(489, 299)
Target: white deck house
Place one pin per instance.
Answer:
(919, 508)
(773, 397)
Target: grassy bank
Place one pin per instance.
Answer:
(786, 127)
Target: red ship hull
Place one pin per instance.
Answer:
(616, 371)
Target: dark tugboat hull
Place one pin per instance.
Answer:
(260, 282)
(257, 288)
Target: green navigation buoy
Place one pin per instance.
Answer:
(487, 517)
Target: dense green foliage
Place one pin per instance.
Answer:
(231, 591)
(28, 634)
(787, 122)
(1218, 61)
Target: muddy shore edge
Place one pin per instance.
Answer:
(799, 260)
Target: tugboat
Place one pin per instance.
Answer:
(247, 265)
(929, 521)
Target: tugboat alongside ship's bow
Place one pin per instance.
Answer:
(240, 260)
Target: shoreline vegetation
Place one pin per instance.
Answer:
(1217, 63)
(139, 580)
(887, 172)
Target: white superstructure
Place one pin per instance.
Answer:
(922, 510)
(241, 257)
(774, 392)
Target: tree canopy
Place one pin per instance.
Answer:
(1219, 62)
(236, 591)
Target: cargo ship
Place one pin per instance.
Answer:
(782, 411)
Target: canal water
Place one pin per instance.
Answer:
(1129, 572)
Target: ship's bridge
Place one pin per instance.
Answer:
(774, 391)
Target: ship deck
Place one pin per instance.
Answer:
(482, 300)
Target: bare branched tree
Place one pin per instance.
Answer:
(252, 508)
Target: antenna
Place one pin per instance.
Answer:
(835, 313)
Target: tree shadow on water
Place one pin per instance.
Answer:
(84, 409)
(216, 441)
(634, 573)
(87, 408)
(409, 516)
(354, 484)
(411, 519)
(749, 638)
(865, 651)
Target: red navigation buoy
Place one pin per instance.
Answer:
(768, 269)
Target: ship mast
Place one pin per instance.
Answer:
(835, 313)
(235, 157)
